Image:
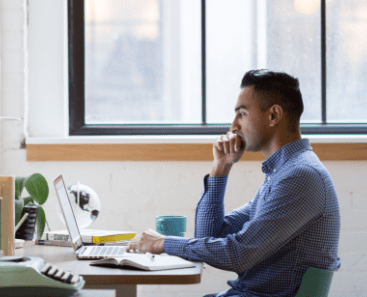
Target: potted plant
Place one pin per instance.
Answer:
(37, 188)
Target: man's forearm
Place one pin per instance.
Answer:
(219, 170)
(210, 209)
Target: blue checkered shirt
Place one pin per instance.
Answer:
(292, 223)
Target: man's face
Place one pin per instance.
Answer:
(250, 123)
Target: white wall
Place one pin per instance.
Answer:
(133, 193)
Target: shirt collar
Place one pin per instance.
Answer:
(282, 155)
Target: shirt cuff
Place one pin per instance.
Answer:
(175, 245)
(216, 187)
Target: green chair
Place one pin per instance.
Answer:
(315, 283)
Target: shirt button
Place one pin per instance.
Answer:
(269, 178)
(274, 170)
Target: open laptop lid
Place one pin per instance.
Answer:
(68, 213)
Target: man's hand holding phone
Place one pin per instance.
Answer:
(227, 150)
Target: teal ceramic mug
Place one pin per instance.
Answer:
(171, 225)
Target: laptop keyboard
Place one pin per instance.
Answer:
(100, 251)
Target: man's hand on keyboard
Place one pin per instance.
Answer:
(148, 242)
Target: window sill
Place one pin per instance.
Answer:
(174, 148)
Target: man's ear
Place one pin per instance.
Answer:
(276, 113)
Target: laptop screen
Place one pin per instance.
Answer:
(68, 212)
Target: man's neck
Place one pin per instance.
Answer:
(279, 140)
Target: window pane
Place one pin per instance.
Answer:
(346, 61)
(294, 46)
(282, 35)
(142, 61)
(230, 52)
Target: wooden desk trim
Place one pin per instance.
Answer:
(173, 152)
(94, 281)
(64, 258)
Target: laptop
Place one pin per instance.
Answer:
(83, 251)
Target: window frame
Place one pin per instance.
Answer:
(78, 127)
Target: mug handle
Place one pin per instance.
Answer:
(164, 223)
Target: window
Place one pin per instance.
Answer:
(160, 67)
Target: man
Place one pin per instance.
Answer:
(293, 222)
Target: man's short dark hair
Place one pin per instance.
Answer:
(276, 88)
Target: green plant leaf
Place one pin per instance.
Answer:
(19, 185)
(28, 200)
(17, 190)
(37, 187)
(40, 222)
(19, 204)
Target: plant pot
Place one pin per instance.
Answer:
(26, 230)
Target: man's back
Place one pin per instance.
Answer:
(293, 223)
(314, 242)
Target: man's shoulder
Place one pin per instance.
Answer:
(305, 164)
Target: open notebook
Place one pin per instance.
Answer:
(145, 261)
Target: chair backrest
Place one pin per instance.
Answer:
(315, 283)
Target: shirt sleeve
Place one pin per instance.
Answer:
(209, 219)
(292, 205)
